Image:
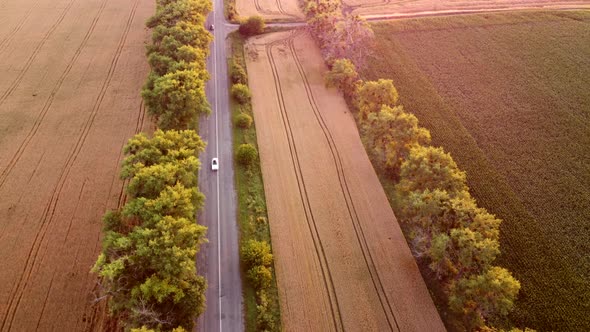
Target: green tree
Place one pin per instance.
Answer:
(260, 276)
(374, 94)
(163, 147)
(344, 77)
(184, 33)
(391, 133)
(171, 12)
(176, 99)
(243, 121)
(463, 252)
(176, 201)
(150, 181)
(484, 296)
(246, 154)
(254, 25)
(430, 168)
(241, 93)
(256, 253)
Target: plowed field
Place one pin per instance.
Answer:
(342, 262)
(70, 77)
(270, 9)
(370, 8)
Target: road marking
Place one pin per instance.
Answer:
(217, 177)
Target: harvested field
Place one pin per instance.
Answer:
(341, 259)
(270, 10)
(69, 99)
(370, 8)
(507, 95)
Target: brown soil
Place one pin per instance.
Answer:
(282, 10)
(375, 8)
(341, 259)
(71, 72)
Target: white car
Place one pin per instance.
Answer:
(211, 27)
(214, 164)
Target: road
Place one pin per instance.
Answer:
(218, 260)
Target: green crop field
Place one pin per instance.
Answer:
(508, 95)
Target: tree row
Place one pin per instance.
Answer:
(147, 264)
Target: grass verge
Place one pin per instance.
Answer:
(252, 215)
(506, 94)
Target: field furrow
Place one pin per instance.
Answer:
(65, 114)
(342, 262)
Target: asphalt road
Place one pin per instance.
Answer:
(218, 260)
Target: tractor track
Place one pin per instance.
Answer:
(14, 84)
(352, 212)
(49, 102)
(16, 29)
(319, 248)
(49, 211)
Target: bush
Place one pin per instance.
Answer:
(241, 93)
(243, 121)
(256, 253)
(237, 73)
(260, 276)
(246, 154)
(254, 25)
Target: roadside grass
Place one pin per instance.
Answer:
(252, 214)
(507, 95)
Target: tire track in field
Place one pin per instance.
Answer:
(319, 248)
(270, 12)
(36, 51)
(50, 208)
(16, 29)
(377, 4)
(386, 305)
(41, 116)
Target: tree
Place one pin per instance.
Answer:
(150, 274)
(237, 73)
(241, 93)
(184, 33)
(374, 94)
(462, 253)
(351, 38)
(260, 276)
(176, 99)
(177, 201)
(391, 133)
(256, 253)
(171, 12)
(243, 121)
(164, 146)
(150, 181)
(246, 154)
(254, 25)
(484, 296)
(344, 77)
(430, 168)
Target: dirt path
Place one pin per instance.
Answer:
(342, 261)
(69, 99)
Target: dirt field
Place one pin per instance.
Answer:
(71, 72)
(370, 8)
(341, 259)
(273, 10)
